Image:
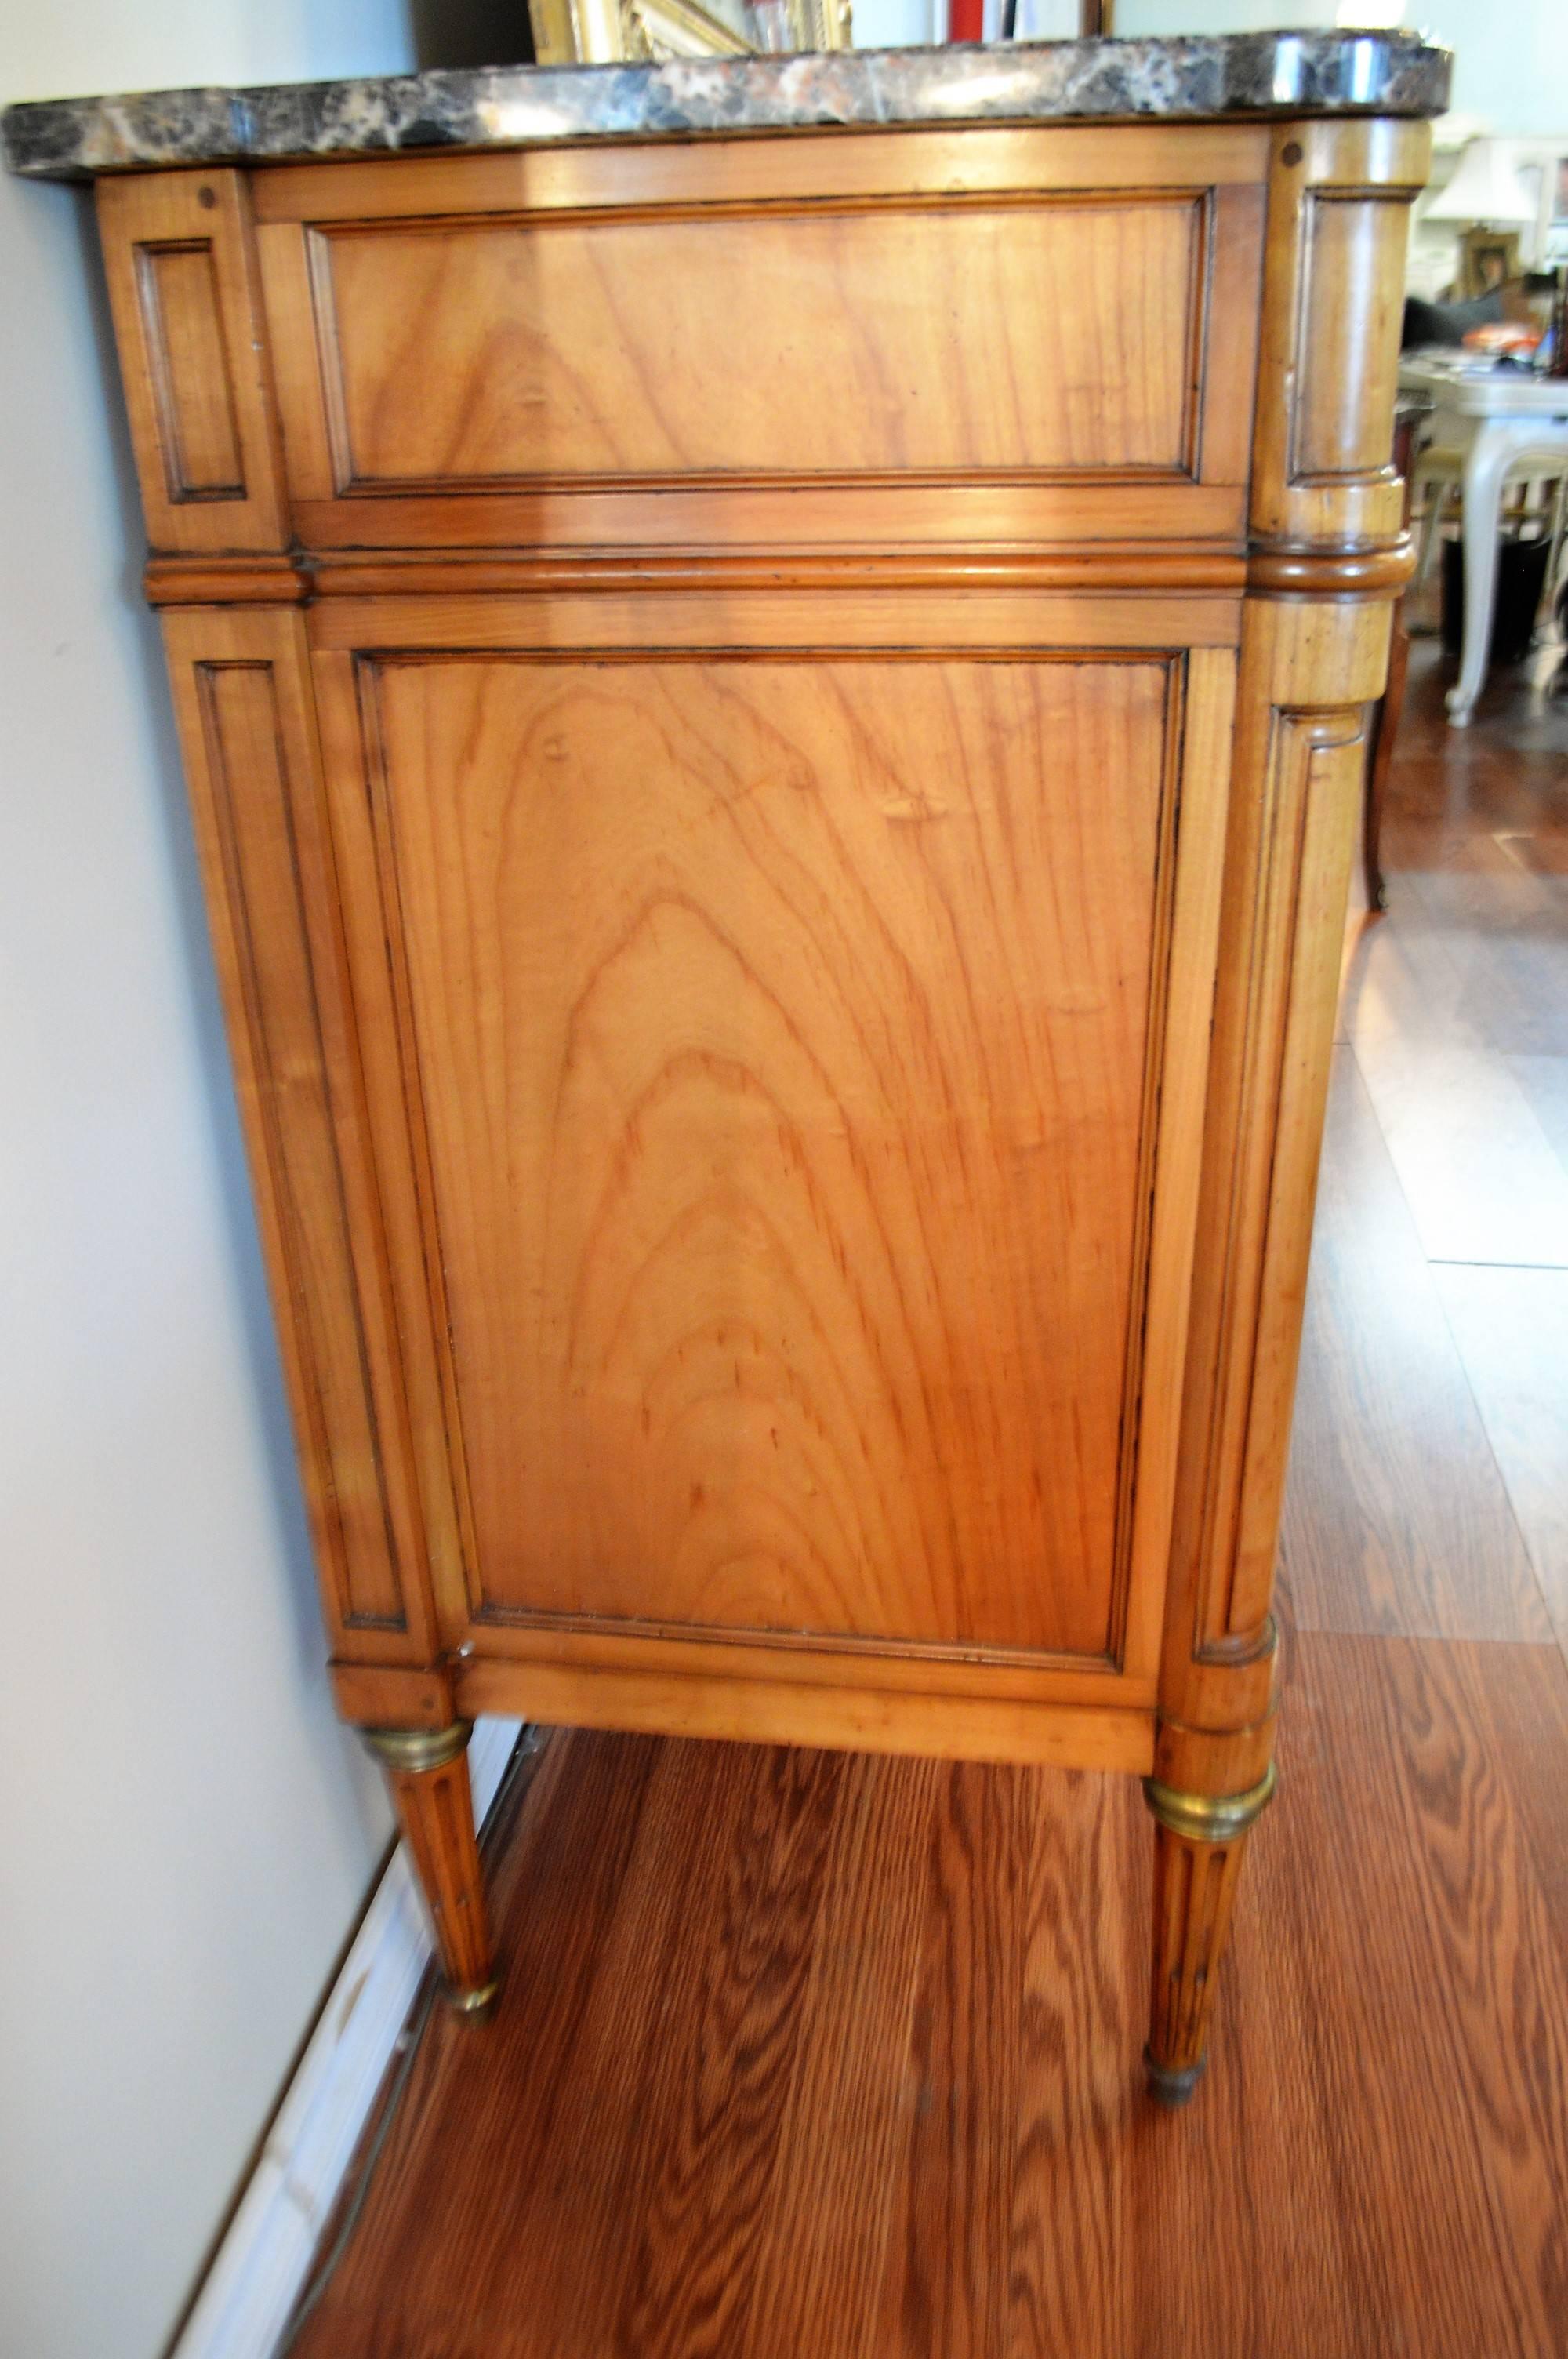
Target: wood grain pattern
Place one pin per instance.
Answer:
(1511, 1330)
(1287, 868)
(941, 2297)
(886, 340)
(1505, 930)
(1381, 2135)
(180, 258)
(183, 326)
(252, 765)
(1396, 1520)
(936, 1713)
(1057, 514)
(721, 619)
(1480, 1175)
(968, 159)
(1019, 338)
(748, 1281)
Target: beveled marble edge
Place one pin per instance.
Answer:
(509, 106)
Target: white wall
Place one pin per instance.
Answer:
(1510, 62)
(1157, 17)
(1510, 56)
(185, 1834)
(896, 24)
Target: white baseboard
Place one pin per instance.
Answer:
(263, 2259)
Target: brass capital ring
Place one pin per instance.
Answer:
(1210, 1818)
(412, 1750)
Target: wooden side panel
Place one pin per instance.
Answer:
(970, 337)
(792, 1047)
(966, 339)
(241, 687)
(786, 1106)
(853, 1718)
(182, 327)
(177, 251)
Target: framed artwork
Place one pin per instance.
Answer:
(610, 32)
(1488, 258)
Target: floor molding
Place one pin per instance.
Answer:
(263, 2261)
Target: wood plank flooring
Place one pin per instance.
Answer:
(818, 2057)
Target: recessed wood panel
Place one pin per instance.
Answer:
(184, 331)
(178, 255)
(781, 1032)
(925, 338)
(250, 751)
(1351, 358)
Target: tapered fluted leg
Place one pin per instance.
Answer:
(428, 1771)
(1199, 1842)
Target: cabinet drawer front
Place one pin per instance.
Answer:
(693, 352)
(787, 1036)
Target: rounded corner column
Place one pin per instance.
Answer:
(1199, 1844)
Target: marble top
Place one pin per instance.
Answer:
(515, 106)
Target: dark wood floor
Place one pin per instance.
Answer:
(811, 2057)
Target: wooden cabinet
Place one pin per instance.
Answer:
(776, 727)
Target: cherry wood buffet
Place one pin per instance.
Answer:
(776, 727)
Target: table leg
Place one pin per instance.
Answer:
(1485, 466)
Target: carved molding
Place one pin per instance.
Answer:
(1281, 571)
(241, 696)
(253, 581)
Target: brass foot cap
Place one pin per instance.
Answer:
(1169, 2087)
(474, 2003)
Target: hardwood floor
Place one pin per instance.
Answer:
(820, 2057)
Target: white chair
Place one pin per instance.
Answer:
(1439, 472)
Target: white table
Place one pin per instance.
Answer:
(1498, 416)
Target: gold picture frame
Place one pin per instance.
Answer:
(616, 32)
(1488, 258)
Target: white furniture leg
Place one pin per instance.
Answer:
(1485, 466)
(1499, 445)
(1559, 518)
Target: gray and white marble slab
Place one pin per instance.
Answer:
(512, 107)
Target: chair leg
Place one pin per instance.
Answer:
(1554, 555)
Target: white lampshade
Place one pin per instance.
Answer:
(1485, 188)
